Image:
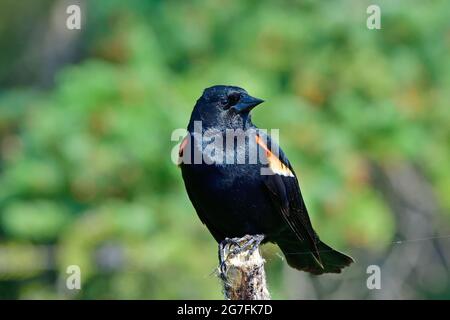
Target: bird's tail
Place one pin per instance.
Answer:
(299, 256)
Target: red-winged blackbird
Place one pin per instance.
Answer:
(236, 199)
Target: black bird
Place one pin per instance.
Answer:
(235, 199)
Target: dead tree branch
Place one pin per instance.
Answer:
(241, 269)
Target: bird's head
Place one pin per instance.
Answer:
(224, 107)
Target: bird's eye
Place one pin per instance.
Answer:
(233, 98)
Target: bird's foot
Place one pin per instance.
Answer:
(250, 242)
(235, 246)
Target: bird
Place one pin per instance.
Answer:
(235, 199)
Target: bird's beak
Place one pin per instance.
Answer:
(247, 103)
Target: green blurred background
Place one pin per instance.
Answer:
(86, 118)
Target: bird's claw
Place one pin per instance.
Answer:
(235, 246)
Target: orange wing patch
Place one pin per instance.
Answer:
(275, 164)
(181, 150)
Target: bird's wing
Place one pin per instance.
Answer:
(218, 236)
(183, 145)
(285, 193)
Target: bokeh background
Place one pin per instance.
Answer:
(86, 117)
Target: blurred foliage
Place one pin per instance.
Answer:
(85, 166)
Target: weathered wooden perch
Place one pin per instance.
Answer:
(241, 269)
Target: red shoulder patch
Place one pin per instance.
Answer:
(275, 163)
(181, 150)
